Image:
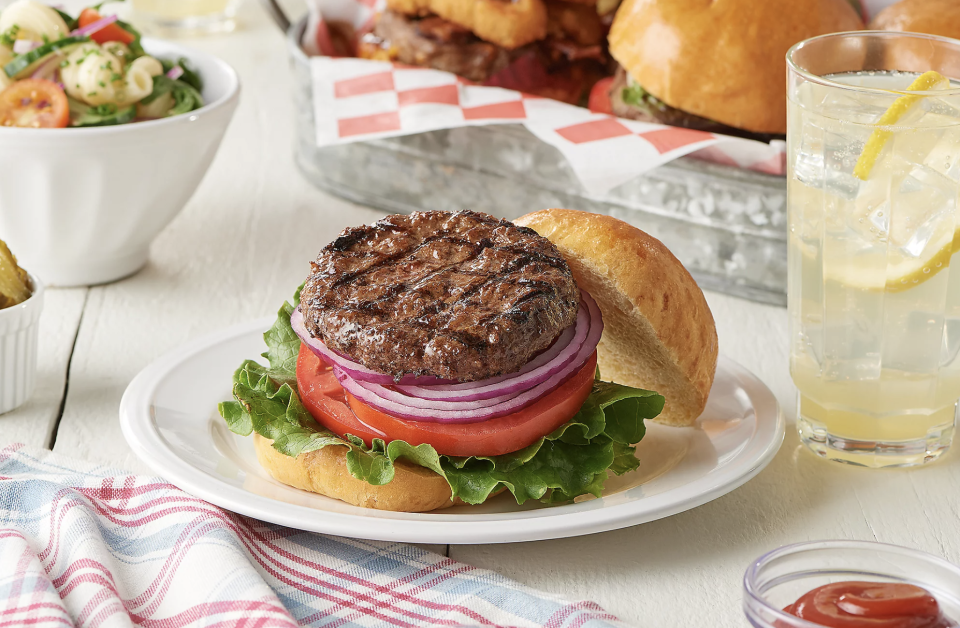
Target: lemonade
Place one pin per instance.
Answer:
(186, 16)
(874, 272)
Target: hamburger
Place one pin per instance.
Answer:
(933, 17)
(441, 358)
(550, 48)
(714, 65)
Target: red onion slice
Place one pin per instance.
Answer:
(93, 27)
(471, 412)
(357, 371)
(47, 69)
(433, 404)
(558, 355)
(23, 46)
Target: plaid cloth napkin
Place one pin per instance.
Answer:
(87, 545)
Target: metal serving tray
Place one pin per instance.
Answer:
(727, 225)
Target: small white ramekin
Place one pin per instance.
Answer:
(19, 334)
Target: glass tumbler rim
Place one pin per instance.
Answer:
(793, 66)
(749, 577)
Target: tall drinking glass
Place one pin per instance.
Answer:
(873, 144)
(186, 17)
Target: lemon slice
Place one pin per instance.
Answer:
(880, 136)
(896, 276)
(910, 273)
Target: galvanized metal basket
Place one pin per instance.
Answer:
(727, 225)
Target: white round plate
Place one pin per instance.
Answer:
(169, 417)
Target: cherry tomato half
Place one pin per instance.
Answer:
(34, 103)
(343, 414)
(110, 32)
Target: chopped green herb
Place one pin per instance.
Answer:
(9, 36)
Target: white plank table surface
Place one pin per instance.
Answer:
(243, 243)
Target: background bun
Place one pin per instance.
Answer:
(658, 331)
(722, 59)
(934, 17)
(413, 489)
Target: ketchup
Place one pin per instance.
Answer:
(870, 605)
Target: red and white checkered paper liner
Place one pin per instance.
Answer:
(359, 99)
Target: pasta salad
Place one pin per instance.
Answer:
(58, 71)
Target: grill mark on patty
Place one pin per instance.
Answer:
(462, 296)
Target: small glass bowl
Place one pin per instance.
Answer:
(778, 578)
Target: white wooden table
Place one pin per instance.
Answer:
(245, 240)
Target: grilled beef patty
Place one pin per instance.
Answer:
(461, 296)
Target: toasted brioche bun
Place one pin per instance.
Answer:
(507, 24)
(933, 17)
(658, 331)
(722, 59)
(413, 488)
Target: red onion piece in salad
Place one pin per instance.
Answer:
(175, 72)
(93, 27)
(23, 46)
(48, 70)
(541, 367)
(357, 371)
(472, 411)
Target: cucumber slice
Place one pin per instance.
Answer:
(104, 115)
(23, 64)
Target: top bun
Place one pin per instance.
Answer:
(722, 59)
(658, 331)
(933, 17)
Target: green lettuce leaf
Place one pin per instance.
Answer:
(573, 460)
(638, 97)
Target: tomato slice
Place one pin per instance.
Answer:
(343, 414)
(325, 399)
(110, 32)
(34, 103)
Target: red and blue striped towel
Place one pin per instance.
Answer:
(87, 545)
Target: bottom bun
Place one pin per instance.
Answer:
(413, 488)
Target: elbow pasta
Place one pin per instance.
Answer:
(33, 21)
(92, 75)
(119, 50)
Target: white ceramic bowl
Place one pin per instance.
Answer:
(81, 206)
(19, 333)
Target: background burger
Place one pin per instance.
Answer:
(933, 17)
(441, 358)
(714, 65)
(550, 48)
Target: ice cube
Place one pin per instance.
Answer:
(924, 205)
(944, 157)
